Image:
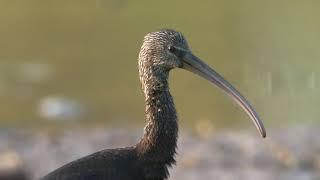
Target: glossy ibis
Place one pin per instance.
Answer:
(150, 158)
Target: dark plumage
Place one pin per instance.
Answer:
(150, 158)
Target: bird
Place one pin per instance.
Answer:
(150, 159)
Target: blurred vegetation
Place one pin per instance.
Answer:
(87, 51)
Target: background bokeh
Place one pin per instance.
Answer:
(73, 64)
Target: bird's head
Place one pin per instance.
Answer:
(160, 50)
(167, 49)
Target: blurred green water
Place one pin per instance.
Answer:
(268, 49)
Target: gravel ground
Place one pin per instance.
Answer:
(292, 153)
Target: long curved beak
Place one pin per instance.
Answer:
(195, 65)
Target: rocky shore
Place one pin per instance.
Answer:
(287, 154)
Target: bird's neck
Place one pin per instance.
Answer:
(160, 134)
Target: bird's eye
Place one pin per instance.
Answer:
(172, 49)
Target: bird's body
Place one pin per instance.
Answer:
(151, 157)
(115, 164)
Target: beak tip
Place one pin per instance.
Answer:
(263, 134)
